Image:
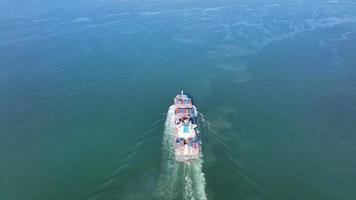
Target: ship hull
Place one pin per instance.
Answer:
(186, 134)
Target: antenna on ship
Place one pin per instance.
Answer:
(181, 92)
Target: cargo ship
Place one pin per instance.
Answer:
(186, 134)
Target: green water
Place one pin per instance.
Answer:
(85, 88)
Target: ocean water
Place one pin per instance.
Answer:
(85, 90)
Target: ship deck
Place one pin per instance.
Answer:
(186, 153)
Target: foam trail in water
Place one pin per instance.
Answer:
(188, 189)
(177, 177)
(194, 180)
(168, 181)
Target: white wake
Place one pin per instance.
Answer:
(179, 180)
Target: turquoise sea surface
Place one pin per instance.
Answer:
(85, 88)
